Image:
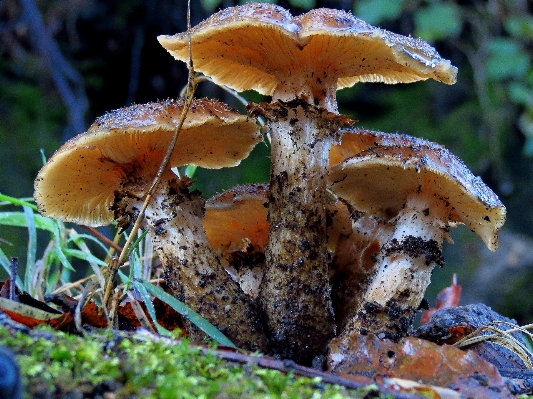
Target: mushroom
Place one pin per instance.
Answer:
(422, 190)
(355, 237)
(236, 226)
(301, 62)
(102, 175)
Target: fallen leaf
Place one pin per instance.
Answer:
(419, 360)
(447, 297)
(28, 315)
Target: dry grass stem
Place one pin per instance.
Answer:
(502, 338)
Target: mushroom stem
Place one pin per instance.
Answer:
(295, 292)
(403, 269)
(192, 270)
(354, 265)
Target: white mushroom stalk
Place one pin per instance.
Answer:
(301, 62)
(103, 175)
(422, 190)
(403, 269)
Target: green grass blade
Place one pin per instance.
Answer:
(123, 278)
(43, 157)
(190, 170)
(137, 241)
(150, 306)
(58, 241)
(31, 254)
(78, 239)
(4, 262)
(16, 201)
(135, 265)
(76, 253)
(82, 245)
(18, 219)
(185, 311)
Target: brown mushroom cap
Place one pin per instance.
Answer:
(79, 181)
(357, 140)
(256, 45)
(379, 180)
(237, 218)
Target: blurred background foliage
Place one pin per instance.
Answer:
(65, 62)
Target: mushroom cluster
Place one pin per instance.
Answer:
(336, 240)
(102, 175)
(301, 62)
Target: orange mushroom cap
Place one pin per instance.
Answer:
(379, 179)
(237, 218)
(256, 45)
(79, 181)
(357, 140)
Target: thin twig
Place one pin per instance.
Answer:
(72, 285)
(191, 87)
(235, 94)
(139, 313)
(102, 238)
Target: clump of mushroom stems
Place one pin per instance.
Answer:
(192, 270)
(403, 268)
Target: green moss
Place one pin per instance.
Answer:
(56, 363)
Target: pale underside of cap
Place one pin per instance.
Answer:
(237, 218)
(254, 46)
(79, 181)
(380, 177)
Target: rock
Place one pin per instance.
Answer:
(448, 325)
(10, 384)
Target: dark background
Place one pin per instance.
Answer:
(65, 62)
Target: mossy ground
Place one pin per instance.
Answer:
(104, 365)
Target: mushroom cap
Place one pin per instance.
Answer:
(379, 179)
(255, 45)
(237, 218)
(357, 140)
(79, 181)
